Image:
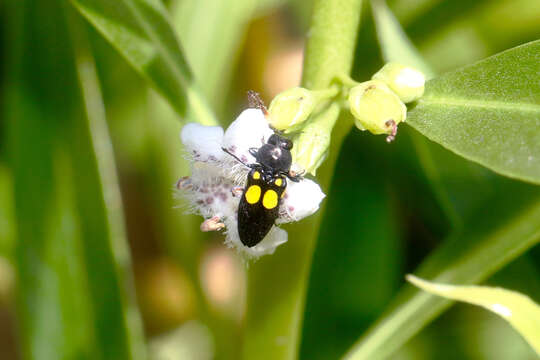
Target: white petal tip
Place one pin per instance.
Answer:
(303, 199)
(249, 130)
(203, 143)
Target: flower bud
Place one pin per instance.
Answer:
(376, 108)
(406, 82)
(311, 147)
(291, 108)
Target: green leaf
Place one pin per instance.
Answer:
(213, 52)
(486, 245)
(7, 218)
(73, 275)
(46, 254)
(457, 33)
(488, 112)
(99, 204)
(519, 310)
(395, 45)
(141, 32)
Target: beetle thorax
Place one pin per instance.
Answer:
(275, 153)
(274, 158)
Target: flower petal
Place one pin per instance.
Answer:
(267, 246)
(202, 142)
(273, 239)
(301, 199)
(249, 130)
(209, 192)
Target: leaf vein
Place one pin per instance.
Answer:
(484, 104)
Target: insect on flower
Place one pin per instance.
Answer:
(238, 181)
(266, 183)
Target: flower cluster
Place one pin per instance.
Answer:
(217, 180)
(378, 105)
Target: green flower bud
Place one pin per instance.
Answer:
(291, 108)
(376, 108)
(313, 150)
(311, 145)
(406, 82)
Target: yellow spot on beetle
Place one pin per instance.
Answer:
(270, 199)
(279, 182)
(256, 175)
(253, 194)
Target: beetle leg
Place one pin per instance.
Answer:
(212, 224)
(237, 191)
(294, 176)
(184, 183)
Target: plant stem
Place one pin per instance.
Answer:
(347, 81)
(277, 284)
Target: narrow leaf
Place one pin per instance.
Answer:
(7, 218)
(99, 204)
(519, 310)
(395, 45)
(212, 53)
(486, 245)
(72, 277)
(53, 315)
(142, 33)
(488, 112)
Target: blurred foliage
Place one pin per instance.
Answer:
(519, 310)
(65, 272)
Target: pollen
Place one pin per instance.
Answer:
(270, 199)
(253, 194)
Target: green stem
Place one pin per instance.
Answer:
(346, 80)
(326, 94)
(277, 284)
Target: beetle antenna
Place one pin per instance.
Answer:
(255, 101)
(236, 157)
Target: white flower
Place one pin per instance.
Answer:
(217, 179)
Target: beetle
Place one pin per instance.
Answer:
(265, 186)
